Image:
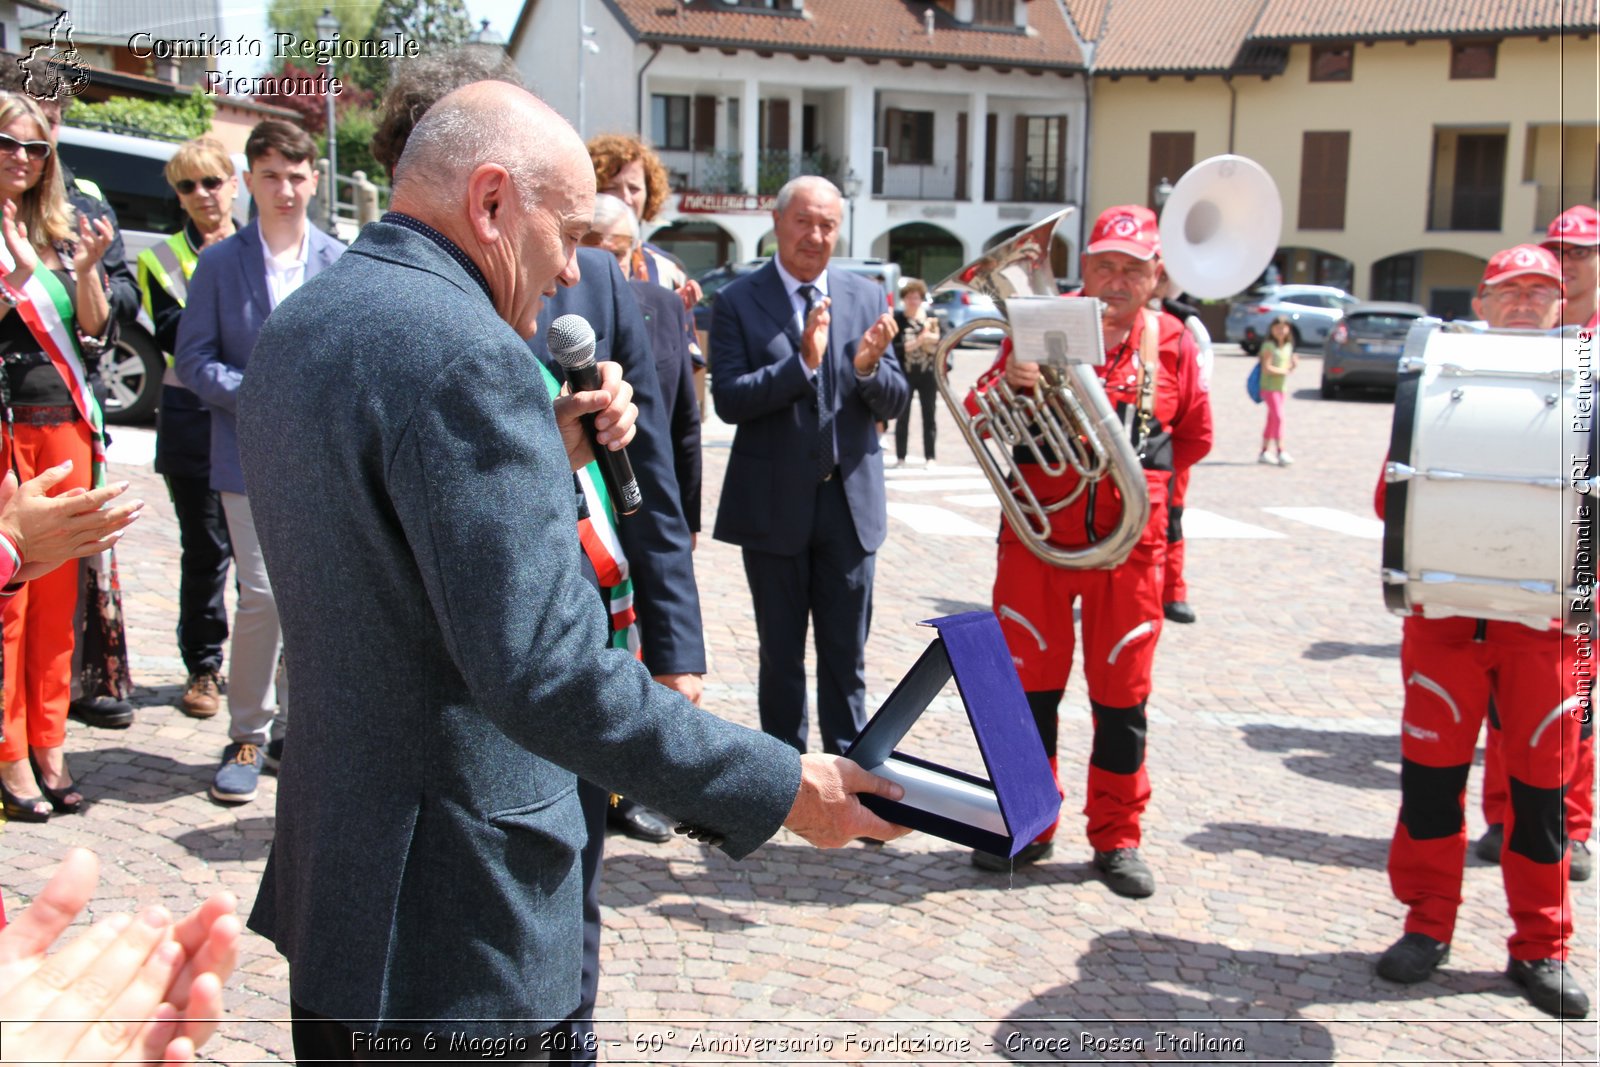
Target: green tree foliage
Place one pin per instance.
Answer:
(434, 24)
(181, 118)
(355, 130)
(299, 17)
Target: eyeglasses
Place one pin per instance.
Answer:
(210, 183)
(1574, 253)
(36, 150)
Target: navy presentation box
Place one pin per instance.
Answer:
(1019, 800)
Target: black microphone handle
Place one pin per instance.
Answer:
(625, 495)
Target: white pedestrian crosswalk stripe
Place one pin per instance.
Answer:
(1201, 525)
(1330, 519)
(939, 485)
(931, 519)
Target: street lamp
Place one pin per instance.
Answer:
(586, 47)
(327, 30)
(1163, 192)
(852, 189)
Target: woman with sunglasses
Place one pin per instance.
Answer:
(54, 304)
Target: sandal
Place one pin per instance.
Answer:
(57, 797)
(23, 809)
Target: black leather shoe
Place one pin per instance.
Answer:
(1030, 854)
(1178, 611)
(1412, 959)
(1489, 845)
(1580, 862)
(102, 712)
(1125, 873)
(639, 822)
(1550, 988)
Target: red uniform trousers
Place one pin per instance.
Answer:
(1121, 613)
(1173, 587)
(1579, 801)
(1452, 667)
(39, 635)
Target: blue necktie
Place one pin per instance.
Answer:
(825, 462)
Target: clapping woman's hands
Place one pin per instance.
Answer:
(24, 258)
(94, 237)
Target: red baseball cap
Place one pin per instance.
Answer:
(1515, 262)
(1131, 229)
(1575, 226)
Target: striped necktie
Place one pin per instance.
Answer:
(825, 463)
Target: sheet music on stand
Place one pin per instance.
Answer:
(1049, 329)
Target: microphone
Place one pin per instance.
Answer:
(571, 342)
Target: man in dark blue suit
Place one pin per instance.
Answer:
(800, 363)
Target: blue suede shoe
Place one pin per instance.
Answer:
(235, 781)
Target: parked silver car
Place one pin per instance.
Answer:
(1364, 349)
(1312, 310)
(957, 307)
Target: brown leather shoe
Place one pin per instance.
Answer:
(202, 698)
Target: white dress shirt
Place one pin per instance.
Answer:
(287, 270)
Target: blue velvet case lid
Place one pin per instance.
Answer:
(971, 647)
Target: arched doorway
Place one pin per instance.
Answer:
(1062, 262)
(1441, 280)
(924, 251)
(700, 245)
(1312, 266)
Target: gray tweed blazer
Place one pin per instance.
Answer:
(415, 508)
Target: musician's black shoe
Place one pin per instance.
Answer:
(1125, 873)
(1031, 853)
(1178, 611)
(1580, 865)
(1412, 959)
(1489, 845)
(102, 712)
(639, 822)
(1550, 987)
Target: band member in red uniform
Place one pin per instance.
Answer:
(1574, 239)
(1122, 605)
(1452, 668)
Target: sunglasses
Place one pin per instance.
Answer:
(36, 150)
(210, 184)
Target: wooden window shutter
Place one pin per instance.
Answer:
(1324, 173)
(778, 125)
(1171, 156)
(705, 123)
(1019, 158)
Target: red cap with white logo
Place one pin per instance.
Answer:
(1575, 226)
(1519, 261)
(1130, 229)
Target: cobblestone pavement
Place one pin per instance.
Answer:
(1274, 757)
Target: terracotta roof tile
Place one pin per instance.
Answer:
(1174, 35)
(1303, 19)
(1088, 16)
(888, 28)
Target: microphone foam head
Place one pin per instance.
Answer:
(571, 341)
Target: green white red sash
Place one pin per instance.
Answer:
(597, 533)
(46, 310)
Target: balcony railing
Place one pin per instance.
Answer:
(1553, 199)
(723, 172)
(915, 181)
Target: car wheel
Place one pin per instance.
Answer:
(1330, 391)
(131, 374)
(1250, 348)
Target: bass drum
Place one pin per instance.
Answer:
(1489, 507)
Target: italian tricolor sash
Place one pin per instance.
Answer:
(46, 309)
(597, 533)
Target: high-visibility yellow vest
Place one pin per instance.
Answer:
(169, 264)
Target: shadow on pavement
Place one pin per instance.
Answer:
(946, 606)
(798, 874)
(240, 841)
(1331, 650)
(1340, 757)
(1282, 842)
(139, 777)
(1230, 1004)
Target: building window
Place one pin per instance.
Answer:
(994, 13)
(1044, 162)
(669, 121)
(1324, 170)
(910, 135)
(1332, 62)
(1472, 59)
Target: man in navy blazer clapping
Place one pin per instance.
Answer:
(801, 364)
